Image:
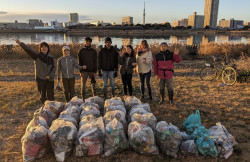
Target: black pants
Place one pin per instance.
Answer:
(146, 76)
(127, 81)
(69, 88)
(46, 89)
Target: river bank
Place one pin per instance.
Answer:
(130, 32)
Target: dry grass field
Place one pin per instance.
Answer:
(228, 104)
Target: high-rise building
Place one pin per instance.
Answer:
(182, 22)
(211, 13)
(35, 23)
(144, 14)
(231, 24)
(196, 21)
(127, 20)
(73, 18)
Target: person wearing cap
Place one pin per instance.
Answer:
(87, 58)
(45, 67)
(108, 65)
(164, 70)
(65, 66)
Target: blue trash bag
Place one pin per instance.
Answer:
(193, 119)
(192, 127)
(199, 132)
(206, 146)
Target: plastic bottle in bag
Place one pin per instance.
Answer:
(131, 101)
(119, 115)
(141, 139)
(136, 110)
(68, 118)
(35, 143)
(145, 119)
(168, 138)
(90, 138)
(62, 135)
(115, 139)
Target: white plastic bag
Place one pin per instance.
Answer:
(87, 119)
(87, 110)
(115, 139)
(37, 120)
(72, 111)
(141, 139)
(168, 138)
(76, 101)
(35, 143)
(223, 140)
(90, 138)
(62, 135)
(113, 108)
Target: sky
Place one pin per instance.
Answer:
(157, 11)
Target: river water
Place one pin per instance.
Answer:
(7, 38)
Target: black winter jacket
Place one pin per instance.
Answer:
(108, 59)
(88, 56)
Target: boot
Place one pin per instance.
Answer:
(105, 93)
(93, 90)
(113, 92)
(150, 96)
(83, 95)
(171, 96)
(162, 96)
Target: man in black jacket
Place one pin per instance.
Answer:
(108, 64)
(88, 60)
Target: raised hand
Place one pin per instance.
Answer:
(176, 51)
(17, 41)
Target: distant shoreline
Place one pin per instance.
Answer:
(132, 32)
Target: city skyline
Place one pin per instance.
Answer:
(157, 11)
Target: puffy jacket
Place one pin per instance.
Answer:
(108, 59)
(88, 56)
(66, 65)
(45, 65)
(130, 67)
(164, 64)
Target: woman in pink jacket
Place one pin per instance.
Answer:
(164, 70)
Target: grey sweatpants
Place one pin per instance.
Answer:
(168, 82)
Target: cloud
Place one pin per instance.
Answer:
(3, 12)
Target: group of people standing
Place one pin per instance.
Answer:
(106, 65)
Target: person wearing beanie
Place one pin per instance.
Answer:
(108, 65)
(164, 70)
(65, 67)
(87, 58)
(45, 67)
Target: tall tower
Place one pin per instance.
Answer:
(211, 13)
(144, 14)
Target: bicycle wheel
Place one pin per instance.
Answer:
(229, 76)
(208, 73)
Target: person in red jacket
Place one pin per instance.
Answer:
(164, 70)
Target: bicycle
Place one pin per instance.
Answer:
(210, 72)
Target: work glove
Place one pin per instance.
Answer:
(100, 74)
(115, 74)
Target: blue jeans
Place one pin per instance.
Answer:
(146, 76)
(110, 75)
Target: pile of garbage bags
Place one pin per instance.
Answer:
(93, 127)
